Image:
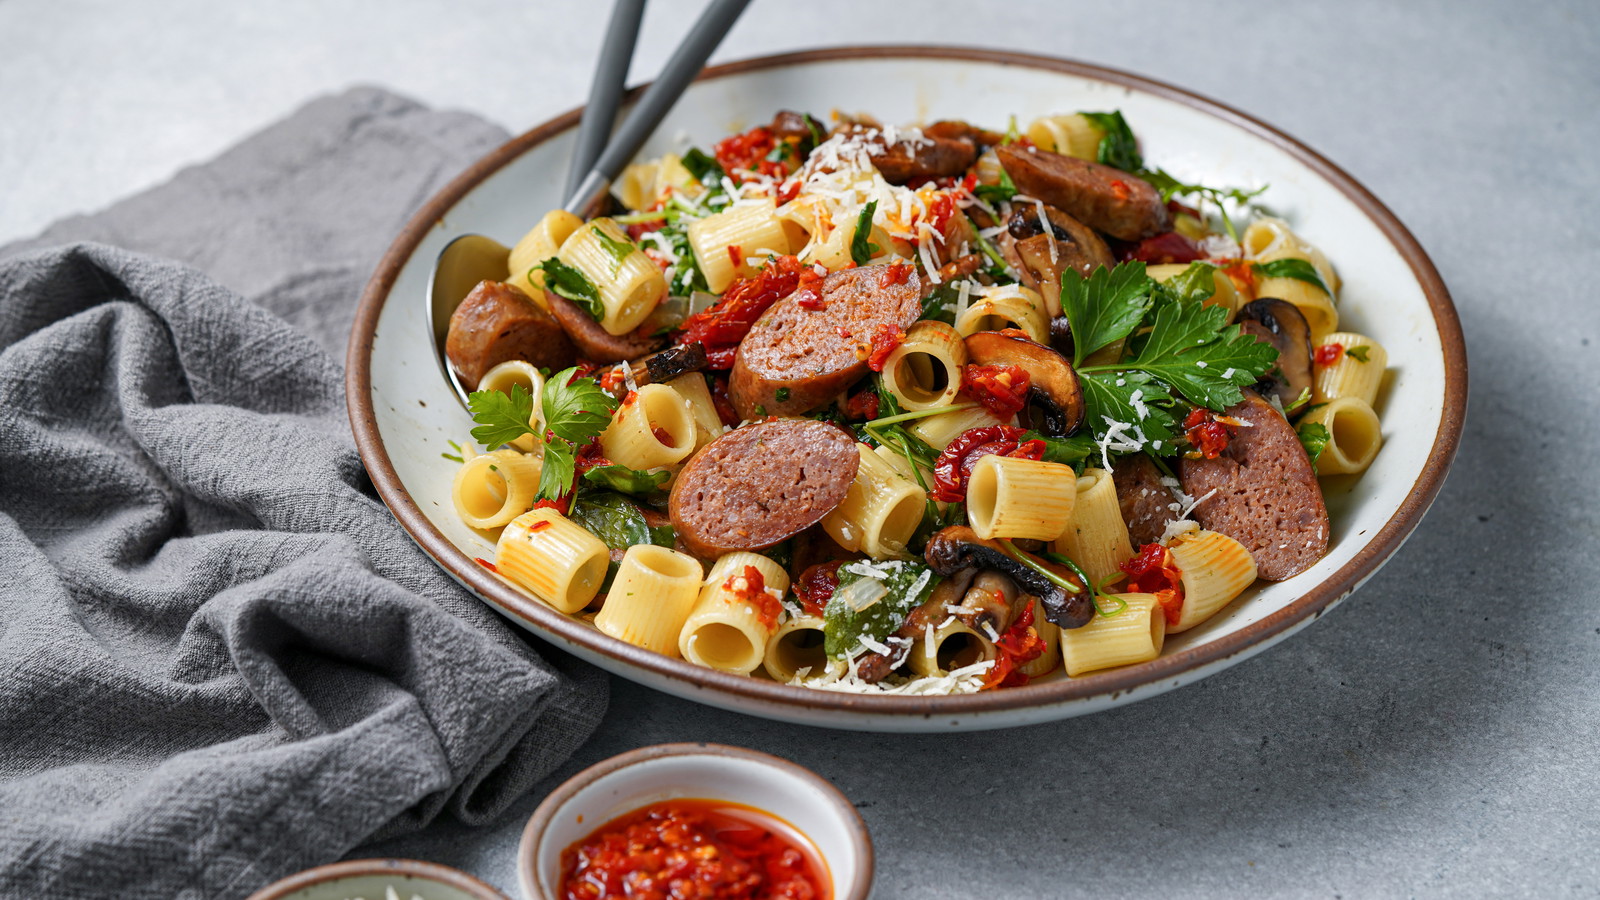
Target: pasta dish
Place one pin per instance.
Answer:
(915, 410)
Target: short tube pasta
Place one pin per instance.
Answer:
(1313, 302)
(731, 623)
(541, 242)
(925, 370)
(630, 285)
(518, 372)
(879, 513)
(1359, 375)
(491, 489)
(653, 428)
(707, 424)
(636, 186)
(1354, 435)
(554, 557)
(650, 598)
(1007, 306)
(1020, 498)
(1072, 135)
(1134, 634)
(798, 646)
(1097, 538)
(728, 243)
(1216, 568)
(938, 431)
(951, 646)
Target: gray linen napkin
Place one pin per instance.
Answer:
(221, 660)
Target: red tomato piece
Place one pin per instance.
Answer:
(1003, 390)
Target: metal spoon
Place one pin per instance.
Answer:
(472, 258)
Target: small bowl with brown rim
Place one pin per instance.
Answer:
(373, 879)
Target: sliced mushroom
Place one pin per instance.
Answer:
(674, 361)
(1053, 388)
(958, 547)
(956, 129)
(594, 343)
(1281, 324)
(991, 601)
(1076, 246)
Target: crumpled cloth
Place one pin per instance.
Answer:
(221, 659)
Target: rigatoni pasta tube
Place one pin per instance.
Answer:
(799, 646)
(1020, 498)
(652, 428)
(1354, 435)
(1267, 236)
(491, 489)
(1356, 372)
(636, 186)
(1216, 568)
(1134, 634)
(509, 374)
(728, 244)
(938, 431)
(1223, 293)
(1008, 306)
(629, 283)
(733, 619)
(951, 646)
(1072, 135)
(925, 370)
(880, 511)
(702, 410)
(1097, 538)
(554, 557)
(650, 598)
(1313, 302)
(542, 241)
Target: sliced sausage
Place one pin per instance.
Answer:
(795, 360)
(496, 323)
(1109, 200)
(803, 128)
(916, 155)
(761, 484)
(1147, 504)
(1267, 497)
(594, 343)
(958, 130)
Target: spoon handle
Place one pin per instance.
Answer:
(684, 65)
(605, 92)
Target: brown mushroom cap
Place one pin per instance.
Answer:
(1053, 386)
(1077, 246)
(958, 547)
(1281, 324)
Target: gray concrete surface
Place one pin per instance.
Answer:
(1436, 736)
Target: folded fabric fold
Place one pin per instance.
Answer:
(221, 659)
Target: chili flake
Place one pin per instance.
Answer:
(885, 338)
(1328, 354)
(1003, 390)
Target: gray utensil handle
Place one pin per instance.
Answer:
(605, 93)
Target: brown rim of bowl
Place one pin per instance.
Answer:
(549, 623)
(858, 889)
(353, 868)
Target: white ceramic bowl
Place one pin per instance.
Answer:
(370, 879)
(403, 411)
(624, 783)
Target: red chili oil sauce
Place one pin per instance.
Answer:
(694, 848)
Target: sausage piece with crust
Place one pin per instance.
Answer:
(595, 343)
(918, 155)
(1267, 496)
(496, 323)
(1109, 200)
(795, 359)
(1146, 503)
(758, 485)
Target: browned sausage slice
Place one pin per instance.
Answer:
(795, 360)
(496, 323)
(917, 155)
(1147, 504)
(1267, 497)
(1110, 200)
(761, 484)
(595, 344)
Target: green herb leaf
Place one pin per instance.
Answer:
(1193, 349)
(1107, 307)
(1314, 437)
(1302, 400)
(619, 251)
(1170, 187)
(861, 250)
(1359, 354)
(1298, 269)
(1135, 400)
(576, 409)
(1073, 450)
(940, 304)
(997, 193)
(781, 394)
(568, 282)
(501, 418)
(1013, 134)
(626, 480)
(1118, 147)
(558, 472)
(705, 169)
(818, 133)
(617, 522)
(452, 457)
(907, 585)
(1196, 283)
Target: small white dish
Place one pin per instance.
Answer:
(638, 778)
(371, 879)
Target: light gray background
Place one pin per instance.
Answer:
(1434, 736)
